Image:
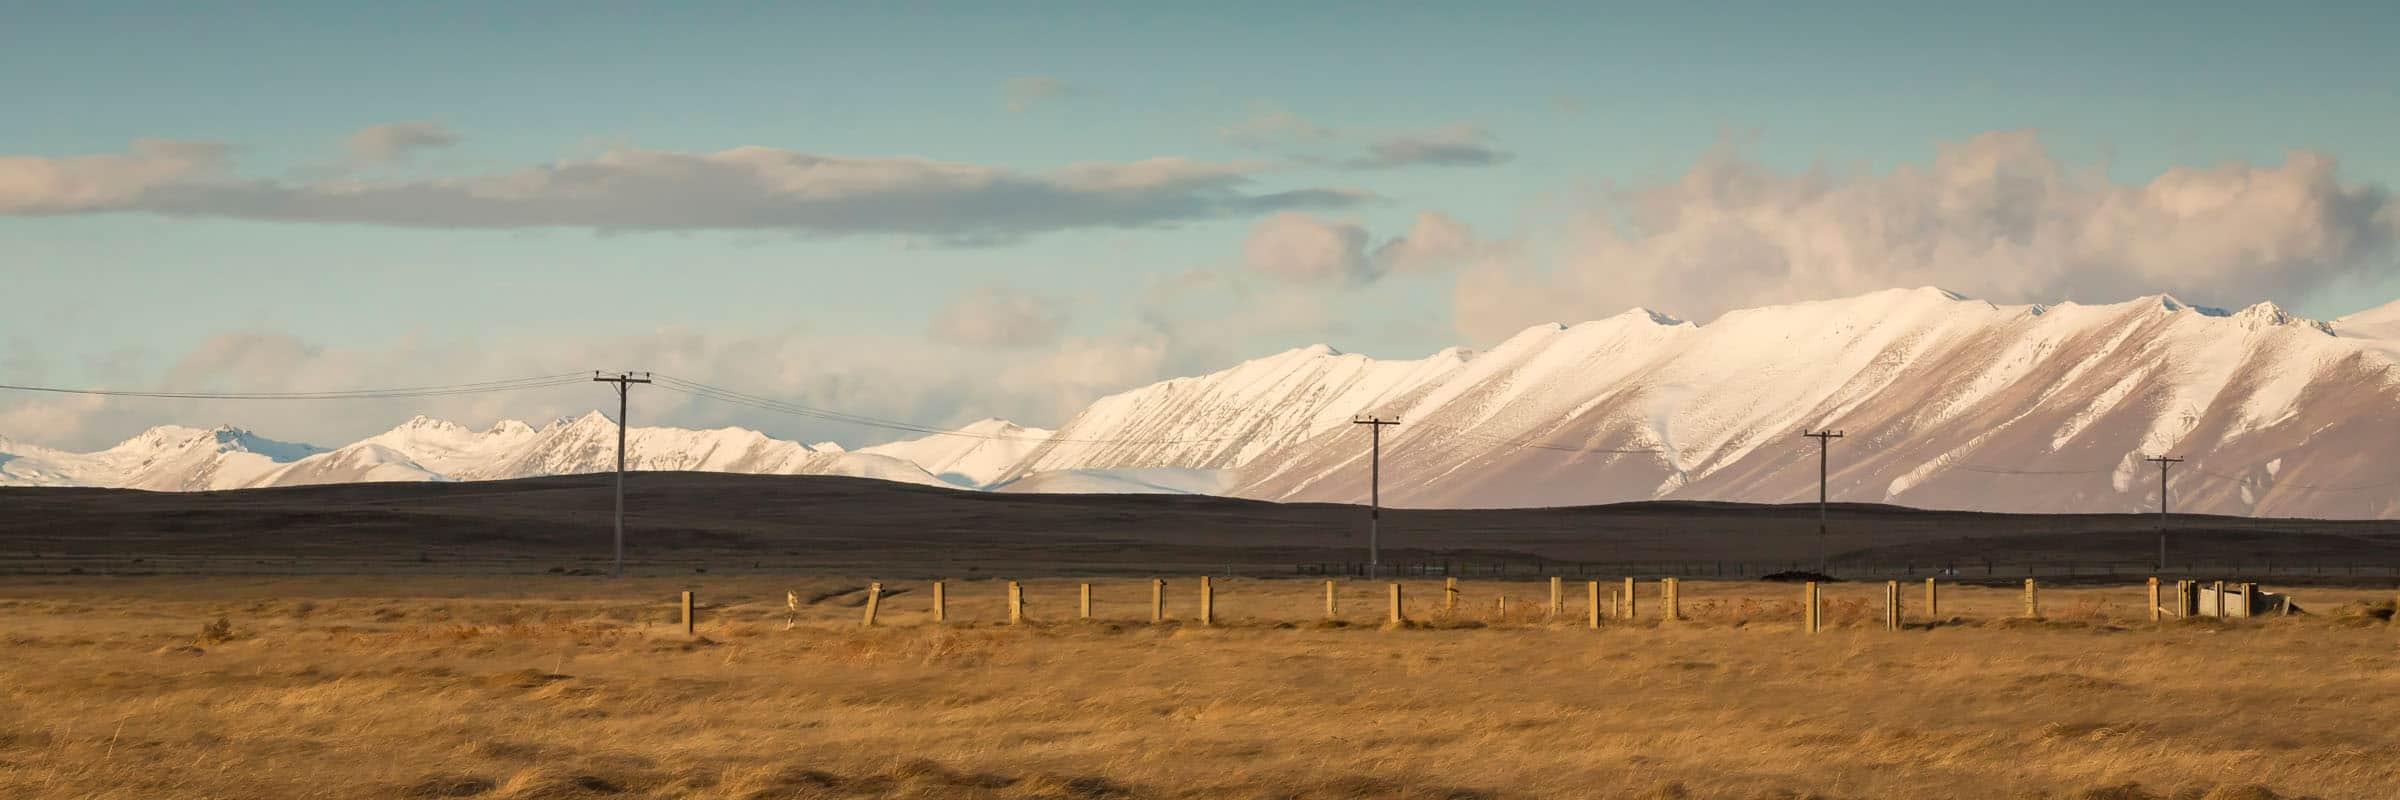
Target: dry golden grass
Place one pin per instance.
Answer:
(577, 687)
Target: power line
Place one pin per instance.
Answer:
(721, 394)
(1998, 471)
(2271, 483)
(1535, 445)
(482, 387)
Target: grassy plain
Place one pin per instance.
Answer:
(570, 687)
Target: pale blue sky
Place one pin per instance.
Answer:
(1580, 101)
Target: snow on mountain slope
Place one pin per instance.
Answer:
(589, 444)
(175, 459)
(1948, 403)
(447, 447)
(1231, 418)
(1162, 480)
(188, 459)
(975, 455)
(364, 462)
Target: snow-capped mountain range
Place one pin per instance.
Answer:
(1946, 402)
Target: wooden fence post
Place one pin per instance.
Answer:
(2154, 610)
(2217, 598)
(1595, 600)
(1016, 603)
(1396, 617)
(1670, 595)
(1332, 611)
(2033, 606)
(1615, 605)
(1808, 607)
(1085, 611)
(1632, 607)
(1891, 605)
(941, 604)
(874, 600)
(1449, 595)
(688, 619)
(1158, 600)
(1208, 602)
(1500, 608)
(1933, 608)
(1558, 596)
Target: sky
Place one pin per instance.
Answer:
(942, 212)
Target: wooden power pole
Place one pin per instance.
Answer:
(1824, 444)
(1375, 424)
(623, 380)
(2163, 462)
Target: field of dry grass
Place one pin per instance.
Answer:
(578, 687)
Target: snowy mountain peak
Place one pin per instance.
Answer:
(1651, 316)
(509, 427)
(160, 438)
(2269, 315)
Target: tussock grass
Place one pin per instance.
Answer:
(562, 687)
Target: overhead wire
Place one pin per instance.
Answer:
(1537, 445)
(2306, 487)
(480, 387)
(722, 394)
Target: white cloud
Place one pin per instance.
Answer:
(1304, 248)
(1083, 369)
(30, 185)
(1307, 249)
(396, 142)
(996, 316)
(741, 188)
(1435, 242)
(893, 377)
(1995, 217)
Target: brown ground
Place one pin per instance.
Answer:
(565, 687)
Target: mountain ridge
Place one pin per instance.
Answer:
(1951, 403)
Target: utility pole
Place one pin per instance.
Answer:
(1824, 443)
(623, 380)
(1375, 490)
(2163, 463)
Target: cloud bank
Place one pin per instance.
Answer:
(1281, 131)
(746, 188)
(1995, 217)
(396, 142)
(1299, 248)
(997, 316)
